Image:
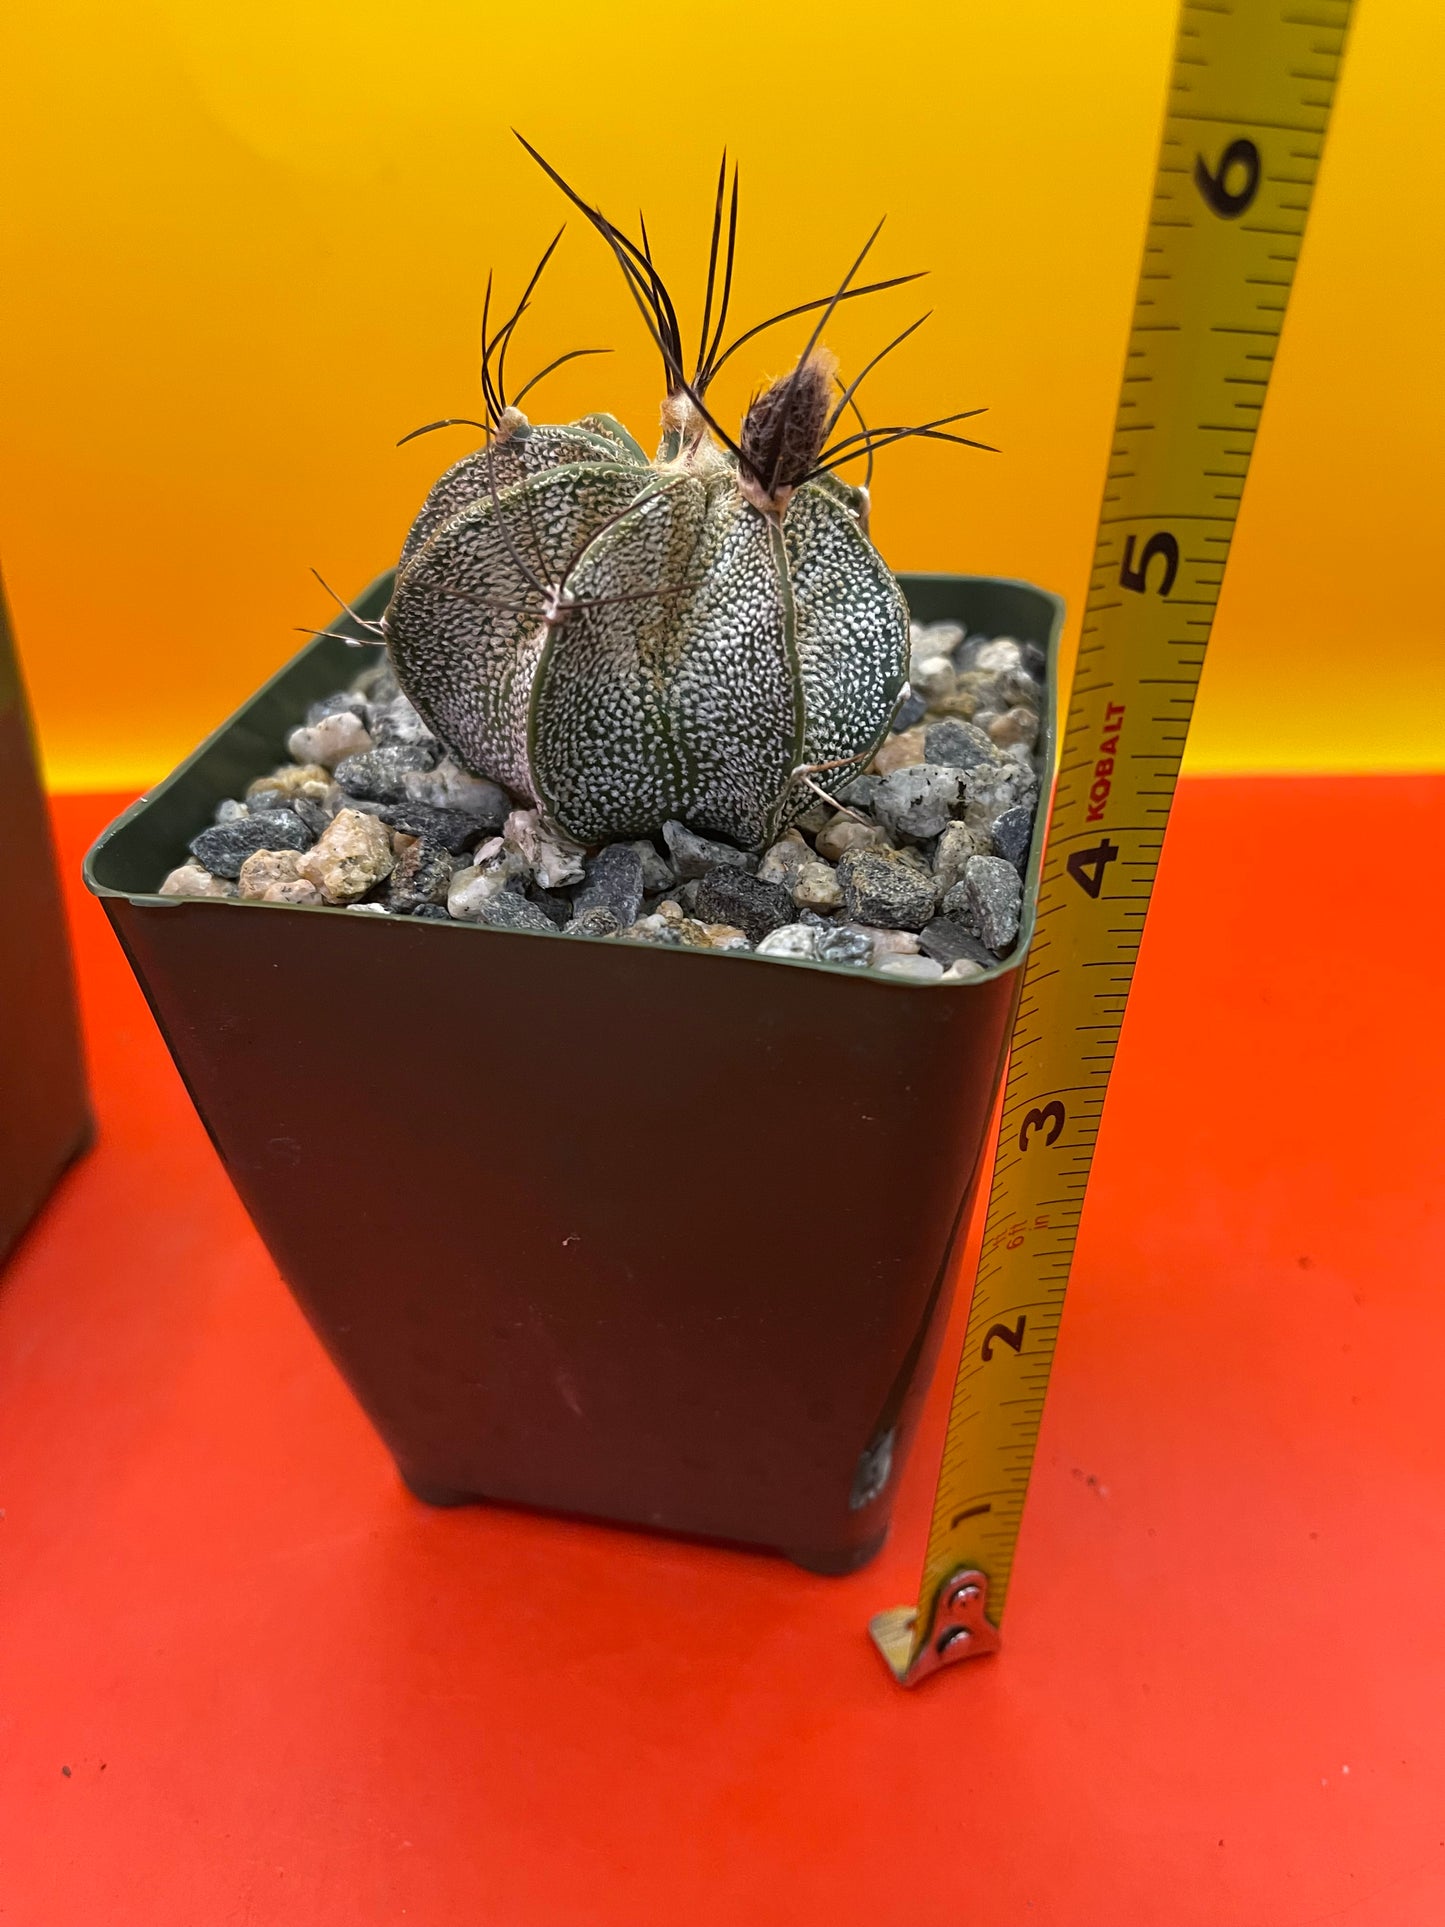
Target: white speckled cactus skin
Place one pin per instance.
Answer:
(687, 653)
(695, 638)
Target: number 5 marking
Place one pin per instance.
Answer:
(1138, 579)
(1051, 1114)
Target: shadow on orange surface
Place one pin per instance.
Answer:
(245, 1678)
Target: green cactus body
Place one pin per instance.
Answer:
(627, 642)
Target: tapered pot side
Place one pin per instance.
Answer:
(652, 1235)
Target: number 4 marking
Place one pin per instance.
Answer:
(1086, 867)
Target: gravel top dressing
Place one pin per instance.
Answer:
(913, 869)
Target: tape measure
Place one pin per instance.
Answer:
(1249, 102)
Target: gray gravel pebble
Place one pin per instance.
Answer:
(918, 801)
(224, 847)
(613, 880)
(844, 945)
(947, 941)
(449, 787)
(987, 901)
(882, 887)
(792, 940)
(599, 921)
(450, 828)
(342, 702)
(1012, 833)
(376, 775)
(507, 911)
(959, 745)
(911, 710)
(732, 896)
(422, 874)
(694, 856)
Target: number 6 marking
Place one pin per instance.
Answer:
(1052, 1115)
(1239, 153)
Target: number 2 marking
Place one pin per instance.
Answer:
(1012, 1336)
(1050, 1114)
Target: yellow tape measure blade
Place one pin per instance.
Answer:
(1249, 103)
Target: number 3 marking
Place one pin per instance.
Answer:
(1052, 1115)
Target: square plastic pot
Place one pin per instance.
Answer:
(44, 1110)
(655, 1236)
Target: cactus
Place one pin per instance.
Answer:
(696, 637)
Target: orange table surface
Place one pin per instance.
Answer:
(245, 1678)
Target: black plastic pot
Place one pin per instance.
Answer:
(652, 1235)
(44, 1111)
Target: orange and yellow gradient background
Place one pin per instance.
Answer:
(244, 250)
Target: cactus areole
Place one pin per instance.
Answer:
(625, 641)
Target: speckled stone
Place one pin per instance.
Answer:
(988, 900)
(599, 921)
(555, 860)
(947, 941)
(449, 828)
(917, 802)
(732, 896)
(224, 847)
(933, 677)
(194, 880)
(880, 887)
(292, 779)
(552, 903)
(341, 702)
(397, 722)
(782, 862)
(378, 775)
(449, 787)
(351, 857)
(816, 886)
(695, 856)
(330, 740)
(958, 745)
(657, 872)
(859, 793)
(508, 911)
(952, 850)
(423, 874)
(844, 943)
(495, 869)
(912, 708)
(889, 943)
(265, 870)
(792, 940)
(987, 793)
(613, 881)
(1013, 833)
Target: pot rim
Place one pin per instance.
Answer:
(373, 601)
